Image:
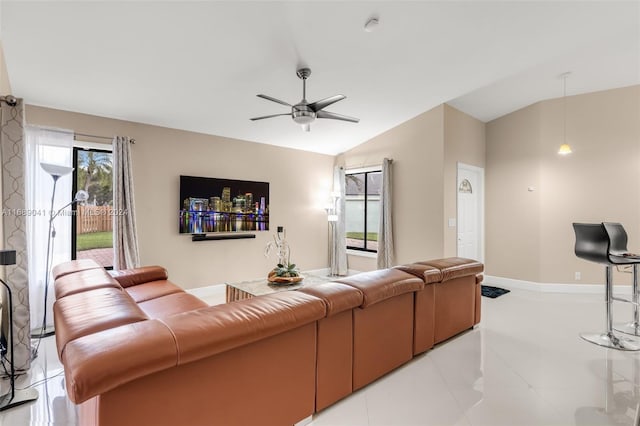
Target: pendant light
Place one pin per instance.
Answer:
(565, 148)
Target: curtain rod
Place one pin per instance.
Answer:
(87, 135)
(364, 165)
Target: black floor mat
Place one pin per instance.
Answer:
(493, 292)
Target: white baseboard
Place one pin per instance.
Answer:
(511, 283)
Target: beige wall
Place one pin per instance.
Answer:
(464, 142)
(532, 194)
(512, 219)
(299, 186)
(425, 152)
(529, 234)
(417, 150)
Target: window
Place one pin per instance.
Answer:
(362, 209)
(92, 225)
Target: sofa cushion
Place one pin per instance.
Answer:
(454, 267)
(429, 274)
(89, 279)
(215, 329)
(136, 276)
(152, 290)
(73, 266)
(338, 297)
(171, 304)
(92, 311)
(377, 286)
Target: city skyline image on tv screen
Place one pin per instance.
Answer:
(210, 205)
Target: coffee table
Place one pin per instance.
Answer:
(248, 289)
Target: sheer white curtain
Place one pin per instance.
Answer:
(385, 230)
(338, 244)
(125, 233)
(53, 146)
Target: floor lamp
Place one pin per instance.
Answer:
(14, 396)
(56, 172)
(332, 218)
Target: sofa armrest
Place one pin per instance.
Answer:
(455, 267)
(429, 274)
(136, 276)
(99, 362)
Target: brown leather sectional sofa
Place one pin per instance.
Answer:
(138, 350)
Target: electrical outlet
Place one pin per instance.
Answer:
(578, 276)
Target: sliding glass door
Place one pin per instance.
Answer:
(92, 225)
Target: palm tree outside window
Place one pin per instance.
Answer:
(92, 225)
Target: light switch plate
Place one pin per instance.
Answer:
(452, 222)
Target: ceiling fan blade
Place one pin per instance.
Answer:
(323, 103)
(269, 98)
(334, 116)
(269, 116)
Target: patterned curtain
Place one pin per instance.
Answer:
(385, 231)
(125, 234)
(338, 244)
(14, 227)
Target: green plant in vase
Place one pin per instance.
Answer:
(285, 272)
(288, 270)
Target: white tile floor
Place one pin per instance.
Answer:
(524, 365)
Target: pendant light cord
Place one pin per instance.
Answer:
(564, 108)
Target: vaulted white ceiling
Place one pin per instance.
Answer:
(198, 65)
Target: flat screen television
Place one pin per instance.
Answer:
(209, 205)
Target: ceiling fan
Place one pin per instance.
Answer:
(304, 113)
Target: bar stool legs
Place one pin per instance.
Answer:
(608, 339)
(633, 327)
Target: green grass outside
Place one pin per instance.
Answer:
(94, 240)
(371, 236)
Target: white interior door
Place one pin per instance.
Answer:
(470, 191)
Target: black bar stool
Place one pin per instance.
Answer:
(592, 244)
(619, 255)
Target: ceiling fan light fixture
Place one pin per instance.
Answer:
(303, 119)
(304, 113)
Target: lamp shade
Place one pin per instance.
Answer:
(564, 149)
(56, 170)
